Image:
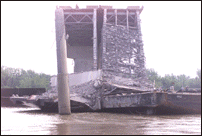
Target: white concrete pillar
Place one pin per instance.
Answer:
(62, 77)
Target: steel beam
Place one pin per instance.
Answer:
(78, 13)
(67, 23)
(78, 21)
(120, 13)
(109, 18)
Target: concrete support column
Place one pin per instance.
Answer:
(140, 44)
(127, 12)
(116, 39)
(104, 38)
(127, 21)
(115, 12)
(138, 24)
(95, 39)
(62, 77)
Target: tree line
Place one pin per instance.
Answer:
(173, 80)
(19, 78)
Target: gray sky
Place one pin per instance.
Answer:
(171, 34)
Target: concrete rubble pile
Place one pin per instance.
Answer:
(124, 57)
(85, 93)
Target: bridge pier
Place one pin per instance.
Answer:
(62, 77)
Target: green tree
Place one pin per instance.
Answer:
(199, 73)
(4, 77)
(153, 76)
(172, 80)
(11, 77)
(30, 79)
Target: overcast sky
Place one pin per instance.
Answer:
(171, 34)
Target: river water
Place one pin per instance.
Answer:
(30, 121)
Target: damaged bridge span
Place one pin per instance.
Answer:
(108, 40)
(107, 48)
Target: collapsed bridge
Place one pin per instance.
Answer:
(100, 37)
(107, 48)
(106, 45)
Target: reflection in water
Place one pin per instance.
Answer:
(62, 129)
(31, 121)
(98, 123)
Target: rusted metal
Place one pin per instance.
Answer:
(182, 103)
(129, 100)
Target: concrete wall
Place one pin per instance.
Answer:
(83, 57)
(82, 65)
(70, 69)
(80, 52)
(53, 81)
(78, 78)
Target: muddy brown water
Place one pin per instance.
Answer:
(31, 121)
